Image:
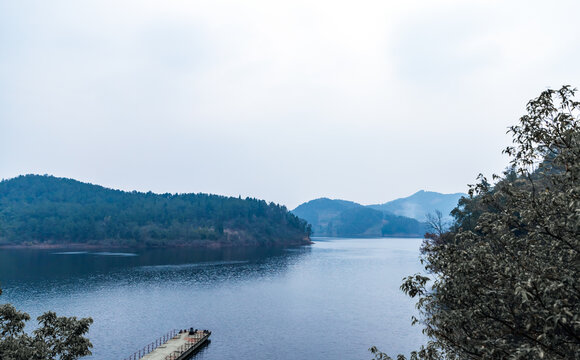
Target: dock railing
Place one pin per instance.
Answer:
(196, 337)
(152, 346)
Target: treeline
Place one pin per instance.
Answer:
(48, 210)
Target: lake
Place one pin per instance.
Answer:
(331, 300)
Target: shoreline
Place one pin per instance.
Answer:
(209, 245)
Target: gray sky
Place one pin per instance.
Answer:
(281, 100)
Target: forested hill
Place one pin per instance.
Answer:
(346, 218)
(48, 210)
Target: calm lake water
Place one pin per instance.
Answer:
(330, 300)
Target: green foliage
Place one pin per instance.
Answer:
(55, 338)
(45, 209)
(506, 278)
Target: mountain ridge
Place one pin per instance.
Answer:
(337, 217)
(330, 217)
(421, 203)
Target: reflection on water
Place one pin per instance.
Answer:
(185, 266)
(331, 300)
(107, 253)
(70, 253)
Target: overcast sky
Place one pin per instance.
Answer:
(280, 100)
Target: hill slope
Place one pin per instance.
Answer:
(49, 210)
(345, 218)
(420, 204)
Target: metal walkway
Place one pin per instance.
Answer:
(173, 346)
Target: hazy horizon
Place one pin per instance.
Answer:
(284, 101)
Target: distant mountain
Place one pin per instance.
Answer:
(41, 210)
(346, 218)
(400, 217)
(420, 204)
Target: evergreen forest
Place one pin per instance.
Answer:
(46, 210)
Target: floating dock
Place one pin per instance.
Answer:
(175, 345)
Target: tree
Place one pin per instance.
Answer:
(437, 228)
(505, 280)
(56, 337)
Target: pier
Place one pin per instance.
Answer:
(175, 345)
